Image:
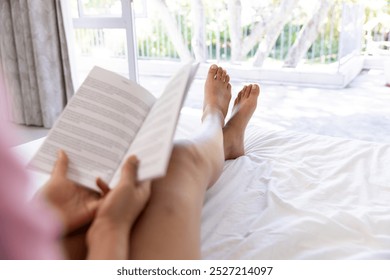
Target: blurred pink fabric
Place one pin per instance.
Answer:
(28, 229)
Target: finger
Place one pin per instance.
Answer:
(103, 186)
(80, 221)
(145, 188)
(129, 170)
(92, 209)
(61, 165)
(145, 184)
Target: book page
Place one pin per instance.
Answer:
(97, 127)
(153, 143)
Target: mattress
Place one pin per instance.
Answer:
(291, 196)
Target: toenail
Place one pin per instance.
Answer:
(214, 66)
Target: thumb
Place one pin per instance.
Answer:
(61, 165)
(129, 170)
(103, 186)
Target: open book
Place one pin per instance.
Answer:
(111, 118)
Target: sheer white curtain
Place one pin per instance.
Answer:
(34, 60)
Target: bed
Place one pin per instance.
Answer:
(292, 196)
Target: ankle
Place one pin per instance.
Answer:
(214, 114)
(233, 141)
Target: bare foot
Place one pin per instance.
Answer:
(233, 132)
(217, 91)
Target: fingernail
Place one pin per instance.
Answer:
(60, 153)
(214, 66)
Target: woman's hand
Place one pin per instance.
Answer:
(123, 204)
(108, 236)
(75, 204)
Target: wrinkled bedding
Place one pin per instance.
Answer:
(298, 196)
(293, 196)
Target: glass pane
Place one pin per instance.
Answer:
(106, 8)
(74, 8)
(140, 8)
(106, 48)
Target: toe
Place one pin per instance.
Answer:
(237, 100)
(219, 73)
(223, 77)
(227, 79)
(213, 71)
(255, 89)
(242, 91)
(247, 90)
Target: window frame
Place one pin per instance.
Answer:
(126, 21)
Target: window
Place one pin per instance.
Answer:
(104, 36)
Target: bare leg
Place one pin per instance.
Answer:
(169, 227)
(243, 109)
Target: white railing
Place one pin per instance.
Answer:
(154, 42)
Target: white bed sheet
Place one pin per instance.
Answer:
(298, 196)
(293, 196)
